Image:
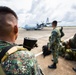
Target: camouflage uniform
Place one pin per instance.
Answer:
(19, 63)
(55, 43)
(70, 54)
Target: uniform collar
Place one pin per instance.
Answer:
(7, 42)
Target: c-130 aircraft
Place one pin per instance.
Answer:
(38, 26)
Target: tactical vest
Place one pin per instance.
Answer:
(6, 52)
(57, 33)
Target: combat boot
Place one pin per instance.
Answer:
(53, 66)
(74, 69)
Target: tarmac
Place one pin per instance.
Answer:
(64, 67)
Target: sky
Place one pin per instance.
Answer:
(37, 11)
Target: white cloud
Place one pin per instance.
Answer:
(17, 4)
(33, 11)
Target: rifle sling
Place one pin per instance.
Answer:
(9, 50)
(3, 52)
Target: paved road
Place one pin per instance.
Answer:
(64, 66)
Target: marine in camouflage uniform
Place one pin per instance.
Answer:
(54, 44)
(21, 62)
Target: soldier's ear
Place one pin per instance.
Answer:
(15, 29)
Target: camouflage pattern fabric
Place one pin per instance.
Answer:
(62, 50)
(19, 63)
(70, 54)
(54, 41)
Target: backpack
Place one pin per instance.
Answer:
(45, 51)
